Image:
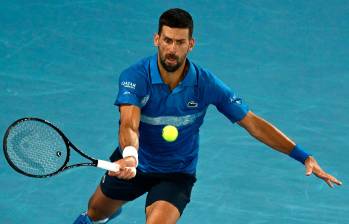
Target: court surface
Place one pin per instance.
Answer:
(289, 60)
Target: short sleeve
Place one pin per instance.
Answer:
(226, 101)
(132, 87)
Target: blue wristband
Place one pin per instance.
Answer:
(298, 154)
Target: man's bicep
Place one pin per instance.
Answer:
(256, 125)
(130, 116)
(129, 123)
(248, 121)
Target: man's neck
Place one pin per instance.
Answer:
(172, 79)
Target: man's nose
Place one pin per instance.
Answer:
(173, 47)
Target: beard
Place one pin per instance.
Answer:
(171, 67)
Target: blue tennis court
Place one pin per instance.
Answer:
(289, 60)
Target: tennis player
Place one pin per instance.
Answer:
(168, 88)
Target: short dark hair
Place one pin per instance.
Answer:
(176, 18)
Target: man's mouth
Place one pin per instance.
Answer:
(171, 59)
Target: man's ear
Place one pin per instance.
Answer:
(156, 39)
(191, 44)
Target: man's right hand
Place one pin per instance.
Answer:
(127, 168)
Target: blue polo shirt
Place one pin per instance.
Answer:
(184, 107)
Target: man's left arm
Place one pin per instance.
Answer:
(265, 132)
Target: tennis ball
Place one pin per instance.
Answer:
(169, 133)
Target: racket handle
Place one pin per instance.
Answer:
(107, 165)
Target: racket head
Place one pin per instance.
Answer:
(36, 148)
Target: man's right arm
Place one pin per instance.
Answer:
(129, 123)
(128, 136)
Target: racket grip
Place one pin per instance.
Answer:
(107, 165)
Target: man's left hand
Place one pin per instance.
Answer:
(312, 166)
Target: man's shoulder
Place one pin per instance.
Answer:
(204, 74)
(139, 68)
(143, 63)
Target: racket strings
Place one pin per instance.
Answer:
(36, 148)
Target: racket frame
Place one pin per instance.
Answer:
(94, 162)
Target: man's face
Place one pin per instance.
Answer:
(173, 46)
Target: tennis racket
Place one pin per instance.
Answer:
(36, 148)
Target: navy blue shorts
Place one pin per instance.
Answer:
(174, 188)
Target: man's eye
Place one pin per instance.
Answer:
(168, 41)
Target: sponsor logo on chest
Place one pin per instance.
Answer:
(192, 104)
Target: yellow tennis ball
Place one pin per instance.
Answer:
(170, 133)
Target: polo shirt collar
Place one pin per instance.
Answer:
(154, 71)
(189, 79)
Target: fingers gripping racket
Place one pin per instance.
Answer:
(36, 148)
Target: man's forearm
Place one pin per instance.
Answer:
(128, 137)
